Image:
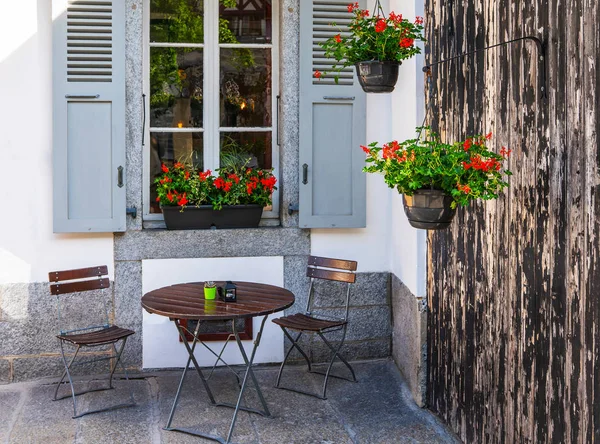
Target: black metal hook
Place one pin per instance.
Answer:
(378, 9)
(540, 50)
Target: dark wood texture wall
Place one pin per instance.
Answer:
(514, 285)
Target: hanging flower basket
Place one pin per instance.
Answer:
(375, 44)
(377, 77)
(435, 177)
(429, 209)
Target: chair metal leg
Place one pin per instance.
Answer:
(131, 397)
(338, 355)
(73, 394)
(67, 366)
(334, 354)
(294, 345)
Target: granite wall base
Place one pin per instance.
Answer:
(409, 338)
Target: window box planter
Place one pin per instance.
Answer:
(429, 209)
(377, 77)
(204, 217)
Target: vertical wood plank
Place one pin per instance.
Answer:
(514, 330)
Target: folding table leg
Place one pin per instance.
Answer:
(251, 373)
(191, 358)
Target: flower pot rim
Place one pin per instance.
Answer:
(179, 207)
(391, 62)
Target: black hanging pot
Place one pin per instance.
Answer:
(377, 77)
(429, 209)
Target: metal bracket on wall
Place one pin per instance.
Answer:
(292, 208)
(132, 211)
(541, 51)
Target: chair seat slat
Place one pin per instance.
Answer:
(303, 322)
(104, 336)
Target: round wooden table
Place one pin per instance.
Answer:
(186, 301)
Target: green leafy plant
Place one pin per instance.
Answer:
(183, 185)
(384, 39)
(465, 170)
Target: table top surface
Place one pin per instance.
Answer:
(186, 301)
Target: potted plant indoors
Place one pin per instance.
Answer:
(234, 198)
(375, 45)
(435, 177)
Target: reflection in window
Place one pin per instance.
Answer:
(247, 22)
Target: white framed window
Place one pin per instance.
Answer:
(210, 84)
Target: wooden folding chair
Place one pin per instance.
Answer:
(311, 323)
(104, 334)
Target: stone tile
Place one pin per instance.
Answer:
(363, 322)
(44, 421)
(26, 369)
(165, 244)
(352, 351)
(409, 338)
(30, 321)
(377, 410)
(134, 111)
(297, 418)
(290, 111)
(295, 280)
(195, 411)
(9, 402)
(126, 425)
(369, 289)
(128, 310)
(5, 376)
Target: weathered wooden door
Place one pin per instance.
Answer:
(514, 285)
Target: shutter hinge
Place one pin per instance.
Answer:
(132, 211)
(292, 208)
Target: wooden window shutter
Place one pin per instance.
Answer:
(332, 126)
(89, 115)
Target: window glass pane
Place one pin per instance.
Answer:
(251, 149)
(168, 148)
(247, 22)
(177, 21)
(246, 87)
(176, 78)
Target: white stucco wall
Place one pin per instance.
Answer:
(28, 248)
(388, 243)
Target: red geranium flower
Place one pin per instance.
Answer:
(406, 42)
(165, 169)
(380, 25)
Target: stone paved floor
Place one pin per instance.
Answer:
(376, 410)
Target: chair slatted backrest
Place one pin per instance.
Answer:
(80, 276)
(78, 280)
(339, 270)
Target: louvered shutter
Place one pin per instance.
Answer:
(332, 126)
(88, 115)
